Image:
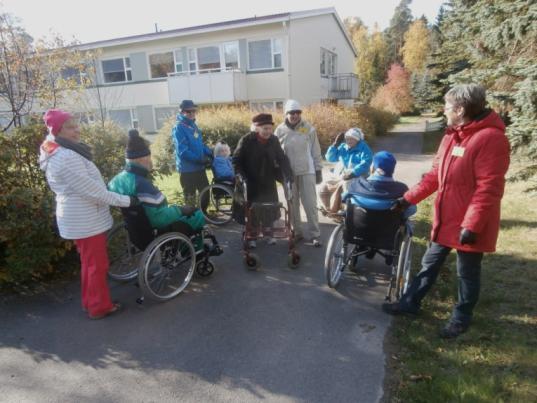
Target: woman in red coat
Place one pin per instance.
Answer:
(468, 176)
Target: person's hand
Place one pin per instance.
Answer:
(134, 201)
(318, 177)
(400, 205)
(340, 138)
(347, 175)
(208, 160)
(188, 211)
(467, 237)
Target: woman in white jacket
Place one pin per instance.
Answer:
(82, 206)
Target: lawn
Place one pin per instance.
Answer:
(496, 360)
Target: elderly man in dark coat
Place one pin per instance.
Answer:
(260, 160)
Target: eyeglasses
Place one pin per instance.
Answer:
(449, 108)
(190, 111)
(294, 112)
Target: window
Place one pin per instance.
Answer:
(117, 70)
(192, 64)
(231, 55)
(178, 61)
(123, 117)
(328, 62)
(72, 73)
(265, 54)
(161, 64)
(209, 58)
(163, 114)
(134, 119)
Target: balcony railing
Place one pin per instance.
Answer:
(208, 86)
(340, 86)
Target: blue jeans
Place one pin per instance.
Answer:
(469, 279)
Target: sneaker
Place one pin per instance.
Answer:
(316, 242)
(252, 244)
(395, 309)
(452, 330)
(271, 241)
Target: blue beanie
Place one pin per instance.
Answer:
(136, 146)
(385, 161)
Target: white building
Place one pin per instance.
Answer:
(261, 61)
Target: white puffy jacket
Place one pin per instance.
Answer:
(301, 146)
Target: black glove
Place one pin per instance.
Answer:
(318, 177)
(208, 161)
(467, 237)
(134, 201)
(401, 204)
(340, 138)
(188, 211)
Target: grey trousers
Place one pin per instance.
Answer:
(304, 192)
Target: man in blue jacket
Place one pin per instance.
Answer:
(191, 154)
(353, 157)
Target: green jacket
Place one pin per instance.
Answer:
(134, 181)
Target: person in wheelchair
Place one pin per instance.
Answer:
(135, 181)
(379, 191)
(222, 165)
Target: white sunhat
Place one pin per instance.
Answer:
(355, 133)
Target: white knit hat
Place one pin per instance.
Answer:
(291, 105)
(355, 133)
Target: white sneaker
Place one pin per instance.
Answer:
(252, 244)
(271, 241)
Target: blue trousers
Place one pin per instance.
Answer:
(468, 275)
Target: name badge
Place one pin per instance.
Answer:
(457, 151)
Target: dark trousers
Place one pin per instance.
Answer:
(192, 182)
(469, 279)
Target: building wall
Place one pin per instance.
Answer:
(306, 37)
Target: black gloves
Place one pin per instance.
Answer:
(340, 138)
(187, 211)
(208, 161)
(134, 201)
(318, 177)
(401, 204)
(467, 237)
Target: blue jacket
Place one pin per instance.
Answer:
(358, 158)
(190, 152)
(223, 168)
(377, 193)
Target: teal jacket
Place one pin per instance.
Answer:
(358, 158)
(134, 181)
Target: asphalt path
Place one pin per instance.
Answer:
(277, 335)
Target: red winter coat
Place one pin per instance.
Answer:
(468, 174)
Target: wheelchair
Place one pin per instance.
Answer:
(370, 232)
(218, 197)
(163, 261)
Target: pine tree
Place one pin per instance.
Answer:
(399, 23)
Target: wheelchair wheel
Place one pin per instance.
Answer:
(204, 268)
(122, 254)
(167, 266)
(252, 261)
(336, 257)
(404, 264)
(220, 202)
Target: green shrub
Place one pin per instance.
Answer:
(230, 123)
(29, 245)
(108, 145)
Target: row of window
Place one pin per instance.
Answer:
(263, 54)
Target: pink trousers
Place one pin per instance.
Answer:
(94, 261)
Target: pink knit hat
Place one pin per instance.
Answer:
(54, 119)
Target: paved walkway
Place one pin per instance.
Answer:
(276, 335)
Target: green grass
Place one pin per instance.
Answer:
(170, 186)
(496, 360)
(409, 119)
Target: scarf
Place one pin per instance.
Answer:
(80, 148)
